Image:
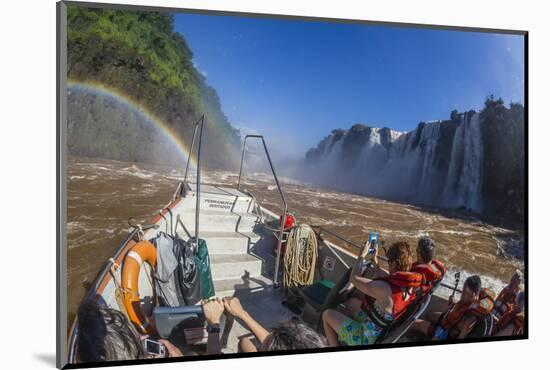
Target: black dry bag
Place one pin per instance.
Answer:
(187, 276)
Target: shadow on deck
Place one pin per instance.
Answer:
(257, 294)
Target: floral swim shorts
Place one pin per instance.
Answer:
(359, 332)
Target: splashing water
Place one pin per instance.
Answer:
(424, 166)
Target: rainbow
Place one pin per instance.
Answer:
(139, 109)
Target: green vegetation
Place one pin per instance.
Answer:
(503, 131)
(139, 54)
(454, 115)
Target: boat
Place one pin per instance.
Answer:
(244, 241)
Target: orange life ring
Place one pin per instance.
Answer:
(143, 251)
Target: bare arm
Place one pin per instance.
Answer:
(364, 257)
(375, 272)
(233, 307)
(213, 346)
(213, 311)
(258, 330)
(172, 350)
(379, 290)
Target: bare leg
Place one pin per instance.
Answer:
(246, 345)
(434, 316)
(423, 325)
(332, 322)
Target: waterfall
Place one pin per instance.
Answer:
(330, 159)
(430, 141)
(328, 145)
(463, 188)
(368, 165)
(439, 163)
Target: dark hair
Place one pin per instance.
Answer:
(426, 248)
(104, 334)
(473, 283)
(401, 254)
(294, 335)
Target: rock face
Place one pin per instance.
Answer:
(473, 161)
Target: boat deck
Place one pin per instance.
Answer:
(258, 296)
(241, 246)
(255, 264)
(247, 273)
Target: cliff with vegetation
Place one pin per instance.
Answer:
(474, 160)
(504, 175)
(137, 54)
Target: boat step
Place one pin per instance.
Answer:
(229, 242)
(240, 286)
(229, 266)
(219, 221)
(208, 189)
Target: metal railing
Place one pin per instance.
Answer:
(285, 207)
(200, 122)
(359, 247)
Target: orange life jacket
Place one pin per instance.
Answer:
(511, 317)
(506, 297)
(485, 303)
(432, 271)
(456, 312)
(403, 289)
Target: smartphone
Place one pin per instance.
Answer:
(154, 348)
(374, 237)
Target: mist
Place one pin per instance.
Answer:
(440, 163)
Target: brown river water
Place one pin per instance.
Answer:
(103, 194)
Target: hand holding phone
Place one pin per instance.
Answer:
(374, 237)
(367, 247)
(171, 349)
(370, 248)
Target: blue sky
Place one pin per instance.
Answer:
(295, 81)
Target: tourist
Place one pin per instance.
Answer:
(288, 335)
(383, 299)
(508, 295)
(459, 318)
(512, 321)
(105, 334)
(426, 264)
